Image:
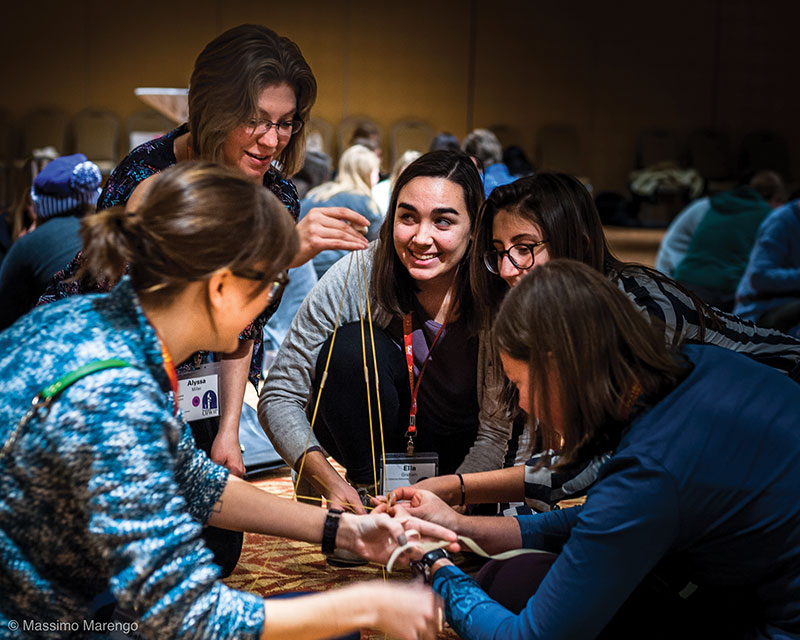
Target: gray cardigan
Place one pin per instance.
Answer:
(287, 389)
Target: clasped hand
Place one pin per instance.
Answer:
(377, 535)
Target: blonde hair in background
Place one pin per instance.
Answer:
(356, 166)
(173, 238)
(405, 159)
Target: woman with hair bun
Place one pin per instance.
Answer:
(250, 95)
(101, 486)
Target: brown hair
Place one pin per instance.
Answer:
(230, 73)
(566, 319)
(565, 213)
(392, 287)
(176, 235)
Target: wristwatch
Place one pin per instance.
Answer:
(329, 531)
(424, 566)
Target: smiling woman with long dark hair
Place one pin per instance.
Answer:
(418, 272)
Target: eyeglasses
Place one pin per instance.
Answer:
(284, 129)
(275, 288)
(520, 255)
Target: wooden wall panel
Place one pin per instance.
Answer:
(611, 70)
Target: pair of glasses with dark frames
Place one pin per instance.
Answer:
(284, 129)
(520, 255)
(276, 287)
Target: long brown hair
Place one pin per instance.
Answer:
(392, 287)
(230, 73)
(566, 214)
(197, 218)
(579, 332)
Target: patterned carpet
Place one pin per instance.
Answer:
(270, 565)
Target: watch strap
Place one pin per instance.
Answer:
(329, 531)
(424, 565)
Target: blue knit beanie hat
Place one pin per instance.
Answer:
(64, 184)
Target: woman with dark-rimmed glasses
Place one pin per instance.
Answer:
(101, 486)
(538, 218)
(250, 93)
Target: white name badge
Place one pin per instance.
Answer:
(198, 392)
(403, 470)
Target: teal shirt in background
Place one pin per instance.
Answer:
(720, 246)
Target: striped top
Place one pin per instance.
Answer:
(668, 307)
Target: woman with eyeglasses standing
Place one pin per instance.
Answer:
(250, 94)
(101, 486)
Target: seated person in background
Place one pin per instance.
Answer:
(418, 277)
(769, 292)
(678, 235)
(316, 166)
(720, 246)
(517, 162)
(445, 141)
(696, 490)
(19, 218)
(62, 193)
(103, 488)
(483, 145)
(382, 192)
(351, 189)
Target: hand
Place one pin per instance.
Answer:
(225, 451)
(419, 503)
(448, 488)
(330, 228)
(342, 495)
(377, 535)
(407, 611)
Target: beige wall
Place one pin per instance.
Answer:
(611, 69)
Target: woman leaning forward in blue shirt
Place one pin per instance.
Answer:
(104, 489)
(692, 528)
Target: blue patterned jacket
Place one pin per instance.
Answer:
(107, 490)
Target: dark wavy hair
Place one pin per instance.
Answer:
(586, 347)
(565, 213)
(393, 289)
(230, 73)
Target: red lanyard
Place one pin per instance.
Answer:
(169, 369)
(172, 374)
(414, 386)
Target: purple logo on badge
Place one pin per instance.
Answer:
(196, 401)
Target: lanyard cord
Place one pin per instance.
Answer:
(172, 374)
(414, 386)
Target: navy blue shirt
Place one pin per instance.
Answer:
(32, 260)
(709, 477)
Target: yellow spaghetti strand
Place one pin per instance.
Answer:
(362, 289)
(377, 383)
(322, 382)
